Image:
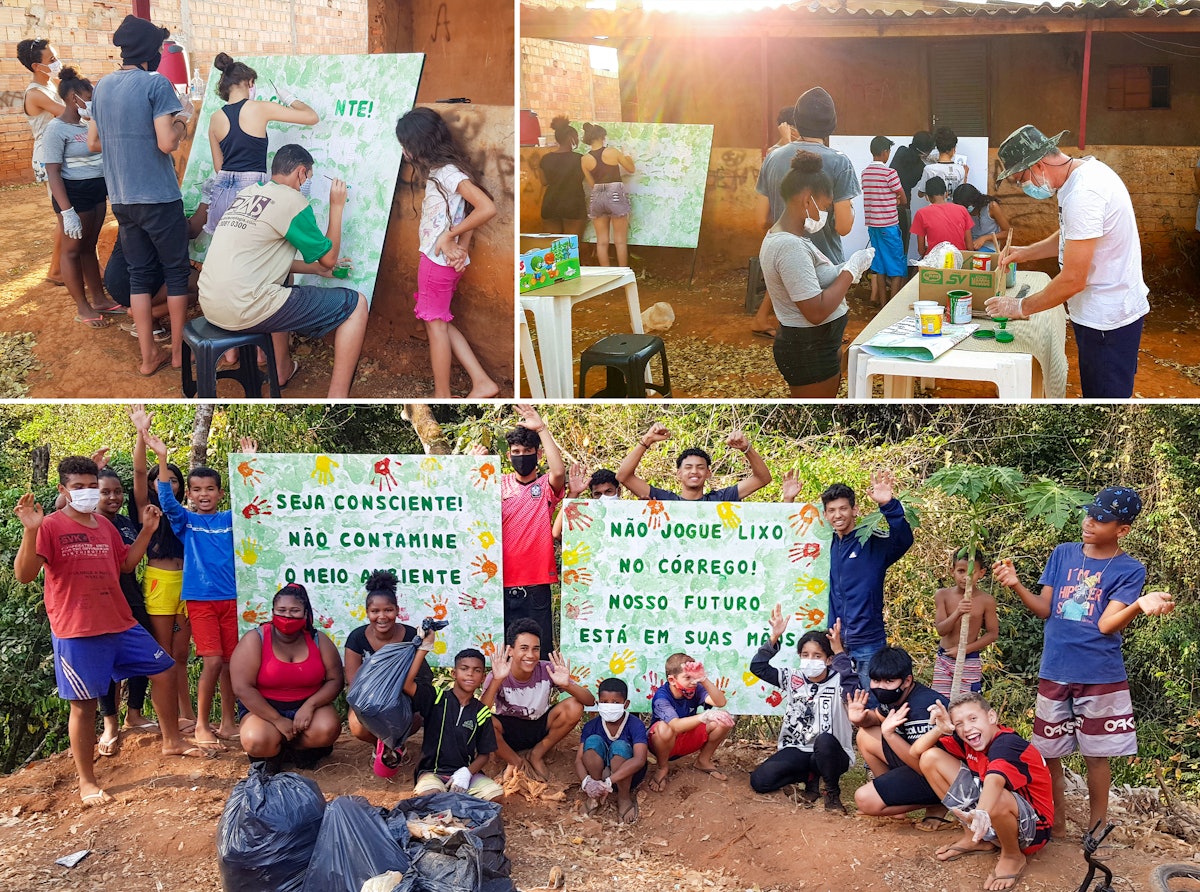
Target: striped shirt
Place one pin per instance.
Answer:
(879, 185)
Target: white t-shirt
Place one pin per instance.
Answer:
(1094, 203)
(795, 270)
(439, 212)
(954, 173)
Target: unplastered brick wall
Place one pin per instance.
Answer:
(557, 79)
(81, 32)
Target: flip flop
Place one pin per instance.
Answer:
(295, 369)
(187, 726)
(656, 784)
(961, 852)
(714, 773)
(944, 823)
(145, 726)
(379, 766)
(114, 310)
(631, 814)
(196, 752)
(236, 735)
(91, 800)
(165, 362)
(767, 333)
(98, 322)
(209, 745)
(109, 746)
(992, 878)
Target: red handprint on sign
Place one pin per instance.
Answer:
(656, 512)
(808, 550)
(774, 698)
(576, 519)
(381, 474)
(475, 603)
(578, 611)
(256, 507)
(654, 681)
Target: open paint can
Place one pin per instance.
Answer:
(929, 317)
(960, 307)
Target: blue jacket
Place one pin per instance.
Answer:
(207, 549)
(856, 575)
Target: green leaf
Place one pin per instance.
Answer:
(1052, 502)
(976, 483)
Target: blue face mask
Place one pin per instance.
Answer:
(1038, 191)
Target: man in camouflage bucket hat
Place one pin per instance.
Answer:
(1099, 255)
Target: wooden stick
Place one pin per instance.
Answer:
(996, 242)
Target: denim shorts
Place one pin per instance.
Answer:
(608, 200)
(311, 311)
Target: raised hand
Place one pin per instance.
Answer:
(249, 445)
(140, 417)
(502, 663)
(151, 515)
(1004, 573)
(1156, 603)
(779, 622)
(791, 486)
(29, 511)
(695, 671)
(895, 718)
(560, 670)
(657, 433)
(856, 706)
(100, 457)
(478, 449)
(530, 418)
(738, 440)
(882, 488)
(155, 444)
(577, 480)
(941, 718)
(835, 637)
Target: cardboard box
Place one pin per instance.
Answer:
(547, 258)
(935, 284)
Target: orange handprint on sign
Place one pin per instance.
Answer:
(576, 519)
(582, 576)
(250, 474)
(487, 646)
(483, 475)
(803, 519)
(811, 618)
(438, 605)
(484, 567)
(656, 513)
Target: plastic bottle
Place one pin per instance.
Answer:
(198, 85)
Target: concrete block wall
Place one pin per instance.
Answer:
(557, 78)
(81, 33)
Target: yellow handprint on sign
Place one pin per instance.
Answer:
(248, 551)
(622, 662)
(729, 516)
(485, 536)
(806, 583)
(572, 556)
(359, 613)
(439, 647)
(323, 470)
(749, 679)
(429, 464)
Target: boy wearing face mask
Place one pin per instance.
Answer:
(612, 753)
(527, 503)
(679, 727)
(815, 739)
(96, 639)
(885, 738)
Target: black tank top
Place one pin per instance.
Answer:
(240, 151)
(604, 173)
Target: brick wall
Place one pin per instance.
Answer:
(557, 78)
(81, 32)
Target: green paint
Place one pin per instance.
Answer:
(643, 580)
(328, 521)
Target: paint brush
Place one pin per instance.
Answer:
(331, 179)
(996, 242)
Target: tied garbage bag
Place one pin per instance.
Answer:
(377, 693)
(267, 832)
(354, 846)
(465, 861)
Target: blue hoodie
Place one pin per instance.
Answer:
(856, 575)
(207, 549)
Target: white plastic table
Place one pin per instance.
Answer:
(551, 309)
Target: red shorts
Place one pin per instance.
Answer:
(214, 627)
(688, 742)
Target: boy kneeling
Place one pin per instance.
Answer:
(612, 753)
(993, 781)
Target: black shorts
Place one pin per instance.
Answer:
(155, 242)
(83, 194)
(311, 311)
(904, 786)
(286, 708)
(810, 355)
(524, 734)
(116, 277)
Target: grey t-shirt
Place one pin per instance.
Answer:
(66, 144)
(124, 106)
(845, 187)
(796, 270)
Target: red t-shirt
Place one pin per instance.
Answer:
(526, 525)
(83, 577)
(943, 222)
(1017, 761)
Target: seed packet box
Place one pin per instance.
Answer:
(547, 258)
(936, 284)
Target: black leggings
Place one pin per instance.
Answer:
(794, 766)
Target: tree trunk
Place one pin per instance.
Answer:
(200, 428)
(40, 459)
(964, 628)
(428, 431)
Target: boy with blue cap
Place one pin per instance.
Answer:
(1091, 590)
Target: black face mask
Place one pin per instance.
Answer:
(888, 696)
(524, 465)
(152, 64)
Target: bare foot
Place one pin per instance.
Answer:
(1007, 872)
(162, 358)
(189, 752)
(483, 391)
(537, 763)
(231, 732)
(658, 783)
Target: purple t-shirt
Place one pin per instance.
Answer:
(528, 699)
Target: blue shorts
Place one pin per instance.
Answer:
(1108, 360)
(310, 311)
(889, 254)
(85, 667)
(607, 749)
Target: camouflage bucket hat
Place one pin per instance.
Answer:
(1024, 148)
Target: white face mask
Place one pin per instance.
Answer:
(85, 501)
(812, 226)
(611, 712)
(813, 668)
(306, 188)
(55, 67)
(610, 497)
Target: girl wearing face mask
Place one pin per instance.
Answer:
(286, 675)
(809, 290)
(380, 630)
(42, 105)
(237, 133)
(79, 195)
(815, 740)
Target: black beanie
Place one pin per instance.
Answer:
(815, 114)
(139, 40)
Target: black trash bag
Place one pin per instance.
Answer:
(353, 846)
(484, 817)
(267, 832)
(377, 693)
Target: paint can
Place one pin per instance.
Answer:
(929, 316)
(981, 262)
(1011, 278)
(960, 307)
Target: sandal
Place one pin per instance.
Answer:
(766, 333)
(957, 852)
(714, 772)
(656, 784)
(91, 800)
(109, 746)
(943, 823)
(98, 322)
(631, 814)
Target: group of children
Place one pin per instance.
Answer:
(954, 759)
(116, 145)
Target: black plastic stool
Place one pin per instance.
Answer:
(624, 358)
(209, 342)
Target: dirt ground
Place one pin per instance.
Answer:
(713, 355)
(75, 361)
(699, 834)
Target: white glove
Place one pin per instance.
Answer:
(859, 263)
(460, 781)
(185, 114)
(594, 788)
(718, 717)
(286, 96)
(1003, 307)
(981, 823)
(72, 225)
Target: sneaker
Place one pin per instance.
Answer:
(810, 794)
(161, 335)
(833, 801)
(386, 763)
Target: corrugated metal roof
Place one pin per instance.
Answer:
(946, 8)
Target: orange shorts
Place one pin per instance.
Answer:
(214, 627)
(688, 742)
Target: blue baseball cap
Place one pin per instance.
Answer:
(1115, 503)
